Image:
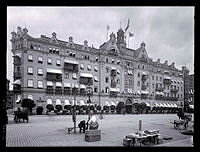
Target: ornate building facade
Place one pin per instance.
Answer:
(49, 70)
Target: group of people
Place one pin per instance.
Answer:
(184, 117)
(91, 124)
(19, 114)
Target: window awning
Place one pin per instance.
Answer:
(57, 71)
(49, 101)
(158, 93)
(58, 84)
(148, 104)
(67, 102)
(165, 105)
(30, 96)
(118, 72)
(76, 85)
(87, 75)
(82, 66)
(138, 92)
(113, 68)
(168, 78)
(161, 105)
(95, 68)
(169, 105)
(82, 103)
(161, 93)
(191, 106)
(107, 103)
(18, 99)
(74, 76)
(112, 103)
(144, 92)
(89, 67)
(18, 54)
(72, 103)
(114, 89)
(67, 85)
(58, 102)
(49, 83)
(166, 71)
(157, 105)
(95, 78)
(144, 73)
(17, 82)
(175, 105)
(70, 61)
(82, 86)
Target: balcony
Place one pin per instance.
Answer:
(86, 81)
(17, 88)
(50, 90)
(17, 75)
(175, 90)
(54, 77)
(17, 60)
(113, 73)
(71, 67)
(113, 94)
(160, 89)
(167, 81)
(144, 87)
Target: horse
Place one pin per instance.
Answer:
(20, 115)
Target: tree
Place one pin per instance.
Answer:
(29, 104)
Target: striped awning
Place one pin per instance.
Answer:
(169, 105)
(148, 104)
(58, 84)
(58, 102)
(87, 75)
(114, 89)
(67, 85)
(165, 105)
(57, 71)
(67, 102)
(82, 103)
(112, 103)
(157, 105)
(49, 83)
(49, 101)
(82, 86)
(107, 103)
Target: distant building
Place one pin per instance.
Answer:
(10, 96)
(47, 68)
(189, 86)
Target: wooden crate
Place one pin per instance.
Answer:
(92, 135)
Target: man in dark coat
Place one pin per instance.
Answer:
(81, 126)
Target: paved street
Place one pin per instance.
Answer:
(50, 130)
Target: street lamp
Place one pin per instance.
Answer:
(74, 109)
(89, 93)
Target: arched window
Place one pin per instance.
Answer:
(31, 47)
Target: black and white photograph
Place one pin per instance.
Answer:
(100, 76)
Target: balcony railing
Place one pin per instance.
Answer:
(71, 67)
(17, 88)
(86, 81)
(50, 91)
(175, 90)
(160, 89)
(17, 75)
(54, 77)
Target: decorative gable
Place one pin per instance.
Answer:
(53, 38)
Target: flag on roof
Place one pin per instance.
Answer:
(127, 25)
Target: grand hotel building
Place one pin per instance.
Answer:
(49, 70)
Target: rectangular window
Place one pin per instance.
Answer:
(95, 89)
(160, 78)
(49, 60)
(153, 86)
(89, 67)
(107, 80)
(156, 78)
(30, 83)
(40, 84)
(66, 75)
(152, 77)
(30, 70)
(40, 60)
(138, 83)
(30, 58)
(74, 76)
(40, 71)
(58, 62)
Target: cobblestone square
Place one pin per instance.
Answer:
(50, 130)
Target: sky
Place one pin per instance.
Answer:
(168, 32)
